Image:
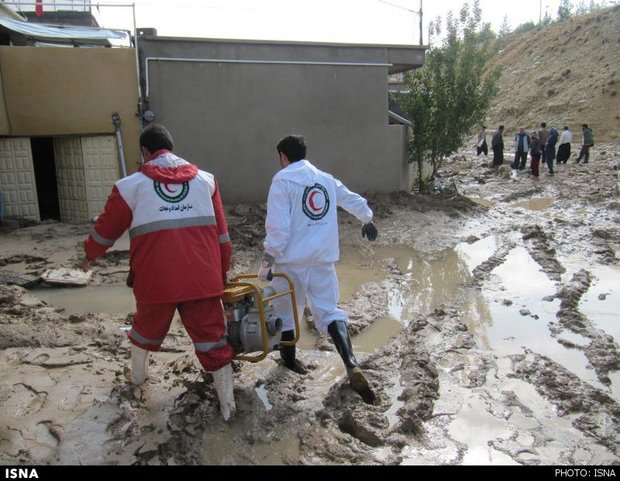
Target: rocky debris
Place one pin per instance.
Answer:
(22, 280)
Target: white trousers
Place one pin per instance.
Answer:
(319, 285)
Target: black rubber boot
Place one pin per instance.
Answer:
(287, 354)
(340, 334)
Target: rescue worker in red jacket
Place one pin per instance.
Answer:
(179, 255)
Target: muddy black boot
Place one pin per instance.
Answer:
(340, 334)
(287, 354)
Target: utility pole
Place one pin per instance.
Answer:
(540, 12)
(421, 25)
(409, 10)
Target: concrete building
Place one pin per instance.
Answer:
(62, 114)
(228, 102)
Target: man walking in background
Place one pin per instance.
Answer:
(588, 141)
(522, 146)
(566, 137)
(497, 144)
(543, 136)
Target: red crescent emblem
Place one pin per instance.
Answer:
(172, 191)
(311, 202)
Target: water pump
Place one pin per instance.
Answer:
(252, 324)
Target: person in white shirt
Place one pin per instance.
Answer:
(302, 242)
(566, 137)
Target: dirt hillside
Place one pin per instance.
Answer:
(565, 74)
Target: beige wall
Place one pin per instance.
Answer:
(51, 91)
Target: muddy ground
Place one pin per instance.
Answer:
(451, 389)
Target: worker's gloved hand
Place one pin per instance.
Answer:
(370, 231)
(264, 273)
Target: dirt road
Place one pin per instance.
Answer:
(504, 293)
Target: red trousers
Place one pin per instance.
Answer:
(203, 319)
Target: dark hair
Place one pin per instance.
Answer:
(293, 146)
(566, 127)
(501, 127)
(543, 125)
(585, 126)
(156, 137)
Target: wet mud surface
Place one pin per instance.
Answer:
(500, 295)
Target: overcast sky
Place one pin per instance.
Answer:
(356, 21)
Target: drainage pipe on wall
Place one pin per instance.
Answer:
(116, 120)
(401, 120)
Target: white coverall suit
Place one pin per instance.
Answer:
(302, 236)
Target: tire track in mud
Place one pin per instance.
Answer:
(542, 251)
(482, 272)
(601, 416)
(598, 414)
(602, 352)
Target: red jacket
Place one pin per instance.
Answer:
(179, 244)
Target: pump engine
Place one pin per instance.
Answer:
(251, 321)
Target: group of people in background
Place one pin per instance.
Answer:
(541, 145)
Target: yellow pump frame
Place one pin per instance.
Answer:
(236, 289)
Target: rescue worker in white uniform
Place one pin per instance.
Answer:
(302, 242)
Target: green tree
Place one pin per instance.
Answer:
(581, 8)
(526, 27)
(504, 28)
(565, 10)
(452, 93)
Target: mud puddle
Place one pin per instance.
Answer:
(534, 204)
(537, 203)
(520, 315)
(107, 298)
(510, 314)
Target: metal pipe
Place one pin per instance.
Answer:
(399, 119)
(135, 46)
(116, 120)
(29, 4)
